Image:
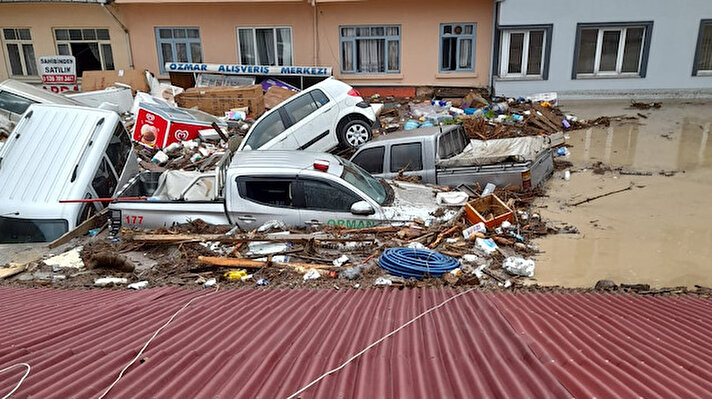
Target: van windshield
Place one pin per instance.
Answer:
(363, 181)
(15, 230)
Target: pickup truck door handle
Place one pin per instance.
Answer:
(312, 222)
(246, 218)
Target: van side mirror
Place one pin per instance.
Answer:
(362, 208)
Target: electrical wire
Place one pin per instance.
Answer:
(352, 358)
(121, 374)
(21, 379)
(414, 262)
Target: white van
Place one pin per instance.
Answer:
(59, 152)
(16, 97)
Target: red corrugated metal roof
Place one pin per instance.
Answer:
(270, 343)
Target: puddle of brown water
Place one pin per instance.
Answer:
(659, 234)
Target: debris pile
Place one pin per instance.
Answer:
(483, 119)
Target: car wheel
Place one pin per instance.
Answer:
(355, 133)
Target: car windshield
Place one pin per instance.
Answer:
(14, 230)
(364, 182)
(264, 130)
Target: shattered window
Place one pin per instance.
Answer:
(20, 51)
(406, 157)
(315, 192)
(522, 53)
(370, 49)
(104, 182)
(704, 49)
(265, 46)
(178, 44)
(90, 47)
(610, 51)
(457, 47)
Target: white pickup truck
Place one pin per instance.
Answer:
(302, 189)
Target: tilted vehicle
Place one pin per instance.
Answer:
(300, 188)
(59, 152)
(320, 118)
(16, 97)
(447, 157)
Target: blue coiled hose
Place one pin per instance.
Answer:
(418, 263)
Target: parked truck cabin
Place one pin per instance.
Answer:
(55, 153)
(446, 156)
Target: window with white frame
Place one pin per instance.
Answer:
(522, 53)
(178, 44)
(20, 52)
(370, 49)
(457, 47)
(612, 50)
(265, 46)
(90, 47)
(703, 54)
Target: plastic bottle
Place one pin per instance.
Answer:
(499, 108)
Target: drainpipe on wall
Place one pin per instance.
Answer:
(123, 27)
(495, 45)
(315, 28)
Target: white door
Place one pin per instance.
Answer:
(313, 116)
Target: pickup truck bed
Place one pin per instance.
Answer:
(160, 211)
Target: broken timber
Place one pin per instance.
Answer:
(601, 196)
(182, 238)
(255, 264)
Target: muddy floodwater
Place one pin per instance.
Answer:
(657, 233)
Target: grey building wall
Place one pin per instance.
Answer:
(672, 49)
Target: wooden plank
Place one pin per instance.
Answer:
(175, 238)
(254, 264)
(550, 116)
(6, 272)
(93, 222)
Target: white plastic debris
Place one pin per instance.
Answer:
(160, 158)
(382, 282)
(452, 198)
(246, 278)
(489, 189)
(70, 258)
(478, 272)
(266, 247)
(173, 148)
(212, 245)
(451, 240)
(338, 262)
(506, 224)
(190, 145)
(416, 245)
(210, 283)
(272, 225)
(472, 230)
(567, 175)
(104, 281)
(312, 274)
(138, 286)
(486, 244)
(519, 266)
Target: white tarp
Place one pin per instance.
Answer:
(172, 183)
(488, 152)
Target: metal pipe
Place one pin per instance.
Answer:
(316, 33)
(124, 28)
